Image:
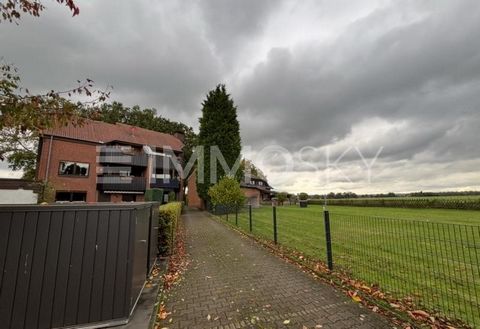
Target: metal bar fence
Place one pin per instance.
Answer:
(434, 265)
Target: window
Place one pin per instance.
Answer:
(71, 196)
(67, 168)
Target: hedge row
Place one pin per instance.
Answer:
(441, 203)
(167, 223)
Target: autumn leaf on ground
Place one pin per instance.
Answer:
(354, 296)
(162, 313)
(286, 322)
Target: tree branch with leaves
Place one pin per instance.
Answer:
(12, 10)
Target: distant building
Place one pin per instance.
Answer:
(257, 190)
(18, 191)
(102, 162)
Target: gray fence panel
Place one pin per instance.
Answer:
(12, 261)
(50, 272)
(75, 270)
(63, 264)
(99, 267)
(4, 233)
(86, 281)
(24, 270)
(110, 264)
(119, 309)
(142, 218)
(152, 248)
(70, 265)
(38, 269)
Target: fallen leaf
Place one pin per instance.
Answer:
(421, 314)
(354, 296)
(286, 322)
(209, 317)
(162, 313)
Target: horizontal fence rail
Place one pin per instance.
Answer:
(435, 266)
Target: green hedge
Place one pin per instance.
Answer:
(167, 223)
(432, 203)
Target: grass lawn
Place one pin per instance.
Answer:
(429, 255)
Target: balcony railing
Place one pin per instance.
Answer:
(117, 157)
(164, 162)
(118, 183)
(165, 183)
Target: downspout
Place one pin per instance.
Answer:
(48, 159)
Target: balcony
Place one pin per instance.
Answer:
(124, 184)
(173, 184)
(164, 162)
(117, 157)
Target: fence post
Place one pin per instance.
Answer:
(328, 239)
(250, 216)
(236, 215)
(275, 224)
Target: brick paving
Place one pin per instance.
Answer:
(232, 282)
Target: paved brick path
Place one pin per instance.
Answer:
(234, 283)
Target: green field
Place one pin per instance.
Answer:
(429, 255)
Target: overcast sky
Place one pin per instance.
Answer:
(318, 84)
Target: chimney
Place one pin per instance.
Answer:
(180, 135)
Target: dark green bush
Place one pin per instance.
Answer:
(154, 194)
(171, 196)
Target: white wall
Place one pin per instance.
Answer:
(17, 197)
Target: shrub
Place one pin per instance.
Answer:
(47, 193)
(167, 224)
(171, 196)
(227, 193)
(154, 194)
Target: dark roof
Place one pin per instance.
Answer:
(16, 184)
(104, 133)
(258, 187)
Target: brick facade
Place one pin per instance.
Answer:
(193, 199)
(253, 196)
(68, 150)
(81, 145)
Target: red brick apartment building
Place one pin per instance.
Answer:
(102, 162)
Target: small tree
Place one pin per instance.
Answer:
(227, 192)
(282, 197)
(303, 196)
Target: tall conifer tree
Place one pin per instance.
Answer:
(218, 127)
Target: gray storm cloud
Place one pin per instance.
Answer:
(401, 76)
